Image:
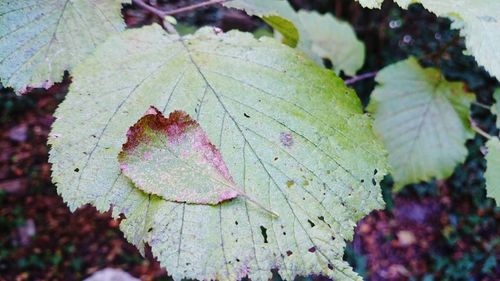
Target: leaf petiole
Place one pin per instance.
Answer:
(254, 201)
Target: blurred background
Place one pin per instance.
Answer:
(441, 230)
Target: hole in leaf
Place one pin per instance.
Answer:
(312, 249)
(77, 170)
(311, 223)
(330, 266)
(289, 253)
(327, 63)
(374, 182)
(150, 229)
(246, 115)
(263, 231)
(236, 222)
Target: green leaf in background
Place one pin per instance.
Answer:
(40, 39)
(423, 121)
(277, 13)
(478, 21)
(371, 3)
(492, 174)
(321, 36)
(496, 106)
(290, 132)
(334, 40)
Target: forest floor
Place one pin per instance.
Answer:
(435, 231)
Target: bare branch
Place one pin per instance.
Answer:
(162, 14)
(360, 77)
(193, 7)
(478, 130)
(159, 13)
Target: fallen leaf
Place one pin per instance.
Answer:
(173, 158)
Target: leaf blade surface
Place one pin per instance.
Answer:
(422, 119)
(290, 132)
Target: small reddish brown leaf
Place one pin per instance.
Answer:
(173, 158)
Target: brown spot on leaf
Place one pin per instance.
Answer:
(177, 123)
(286, 139)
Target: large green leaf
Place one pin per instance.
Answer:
(40, 39)
(290, 132)
(492, 174)
(422, 119)
(478, 21)
(320, 36)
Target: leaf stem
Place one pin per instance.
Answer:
(251, 199)
(360, 77)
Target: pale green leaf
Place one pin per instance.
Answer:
(371, 3)
(40, 39)
(290, 132)
(277, 13)
(320, 36)
(423, 121)
(492, 174)
(334, 40)
(496, 106)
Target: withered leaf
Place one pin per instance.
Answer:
(173, 158)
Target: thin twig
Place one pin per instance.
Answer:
(360, 77)
(482, 105)
(193, 7)
(152, 9)
(159, 13)
(480, 131)
(162, 14)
